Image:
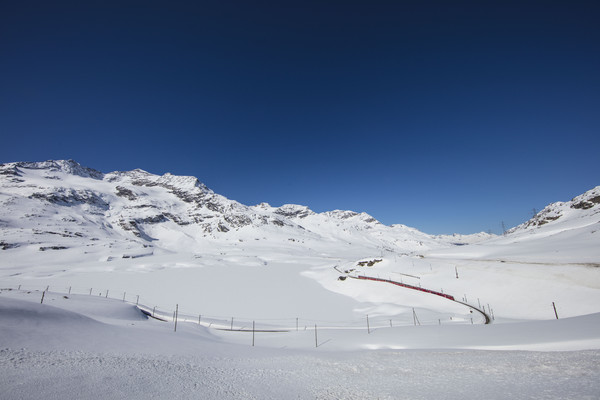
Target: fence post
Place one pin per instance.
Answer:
(138, 300)
(368, 327)
(69, 289)
(124, 293)
(231, 323)
(154, 309)
(253, 329)
(43, 293)
(199, 319)
(555, 313)
(416, 319)
(106, 294)
(176, 312)
(316, 341)
(91, 291)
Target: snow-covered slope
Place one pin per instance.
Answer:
(91, 346)
(563, 232)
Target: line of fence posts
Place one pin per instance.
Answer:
(175, 314)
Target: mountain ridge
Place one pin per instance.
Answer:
(61, 199)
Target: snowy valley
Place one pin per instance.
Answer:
(272, 302)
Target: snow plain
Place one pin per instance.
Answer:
(317, 336)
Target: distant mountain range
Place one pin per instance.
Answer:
(59, 205)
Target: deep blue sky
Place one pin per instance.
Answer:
(449, 116)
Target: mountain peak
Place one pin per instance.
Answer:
(66, 166)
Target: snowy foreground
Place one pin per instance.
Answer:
(82, 346)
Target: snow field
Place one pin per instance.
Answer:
(116, 352)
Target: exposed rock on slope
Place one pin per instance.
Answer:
(137, 209)
(582, 208)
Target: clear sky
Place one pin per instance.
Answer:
(449, 116)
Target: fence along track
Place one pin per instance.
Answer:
(487, 318)
(224, 323)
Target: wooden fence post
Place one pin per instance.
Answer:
(176, 312)
(368, 327)
(555, 313)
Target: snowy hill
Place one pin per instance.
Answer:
(563, 232)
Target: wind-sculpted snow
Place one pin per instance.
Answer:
(89, 347)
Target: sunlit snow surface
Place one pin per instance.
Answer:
(68, 230)
(89, 345)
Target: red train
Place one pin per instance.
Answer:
(447, 296)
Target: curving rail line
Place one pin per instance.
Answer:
(488, 320)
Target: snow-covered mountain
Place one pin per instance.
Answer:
(580, 211)
(60, 205)
(563, 232)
